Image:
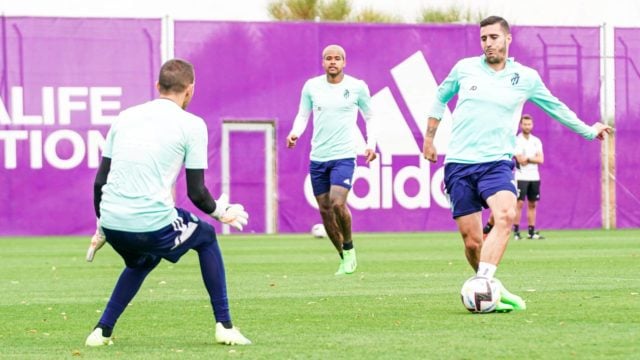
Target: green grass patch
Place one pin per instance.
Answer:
(582, 290)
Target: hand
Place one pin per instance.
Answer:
(230, 214)
(291, 141)
(97, 241)
(429, 151)
(370, 155)
(602, 130)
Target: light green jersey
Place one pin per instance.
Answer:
(148, 145)
(335, 114)
(487, 114)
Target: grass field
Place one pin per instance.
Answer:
(582, 290)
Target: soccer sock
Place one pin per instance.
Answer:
(531, 229)
(487, 228)
(213, 275)
(347, 245)
(341, 255)
(227, 324)
(516, 228)
(486, 270)
(126, 288)
(106, 330)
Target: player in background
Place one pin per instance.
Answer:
(491, 89)
(334, 98)
(529, 155)
(135, 207)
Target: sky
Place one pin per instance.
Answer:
(624, 13)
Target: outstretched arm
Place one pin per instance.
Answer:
(542, 97)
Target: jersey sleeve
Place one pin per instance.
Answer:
(196, 147)
(364, 104)
(447, 89)
(542, 97)
(107, 150)
(304, 110)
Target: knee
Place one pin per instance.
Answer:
(338, 206)
(506, 217)
(325, 211)
(472, 245)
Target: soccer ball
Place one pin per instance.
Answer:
(318, 231)
(480, 295)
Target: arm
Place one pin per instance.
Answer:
(364, 103)
(197, 191)
(99, 182)
(428, 149)
(537, 159)
(447, 89)
(302, 118)
(542, 97)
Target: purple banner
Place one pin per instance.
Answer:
(627, 122)
(249, 71)
(62, 82)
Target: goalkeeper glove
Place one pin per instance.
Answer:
(230, 214)
(97, 241)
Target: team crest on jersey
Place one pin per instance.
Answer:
(515, 79)
(346, 93)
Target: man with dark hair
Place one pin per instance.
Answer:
(144, 152)
(334, 98)
(529, 155)
(491, 89)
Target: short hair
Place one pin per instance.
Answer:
(526, 117)
(496, 20)
(175, 76)
(335, 47)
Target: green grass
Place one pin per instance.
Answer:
(582, 290)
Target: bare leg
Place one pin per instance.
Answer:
(518, 212)
(531, 213)
(329, 221)
(338, 196)
(470, 227)
(502, 205)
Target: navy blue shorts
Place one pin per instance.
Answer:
(469, 185)
(333, 172)
(146, 249)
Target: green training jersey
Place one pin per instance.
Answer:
(487, 114)
(335, 114)
(148, 144)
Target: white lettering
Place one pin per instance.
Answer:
(48, 107)
(383, 187)
(66, 105)
(421, 200)
(17, 109)
(98, 104)
(35, 147)
(10, 138)
(77, 149)
(95, 144)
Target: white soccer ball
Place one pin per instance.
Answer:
(480, 295)
(318, 231)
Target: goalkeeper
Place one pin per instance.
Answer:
(144, 152)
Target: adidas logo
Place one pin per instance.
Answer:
(347, 181)
(418, 88)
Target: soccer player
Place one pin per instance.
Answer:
(144, 152)
(492, 89)
(334, 98)
(529, 155)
